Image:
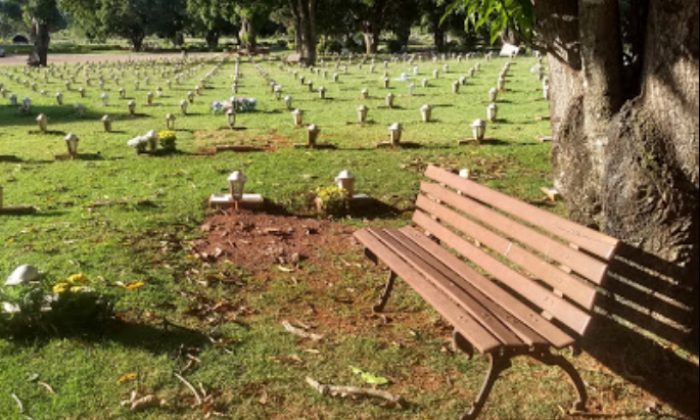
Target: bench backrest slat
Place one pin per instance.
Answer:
(587, 239)
(577, 290)
(587, 266)
(564, 311)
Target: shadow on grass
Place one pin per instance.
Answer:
(60, 115)
(165, 339)
(374, 209)
(158, 340)
(650, 334)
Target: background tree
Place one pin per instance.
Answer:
(624, 79)
(212, 19)
(306, 38)
(433, 14)
(10, 18)
(403, 18)
(253, 16)
(85, 18)
(43, 17)
(370, 17)
(126, 18)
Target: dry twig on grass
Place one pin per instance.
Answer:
(352, 392)
(134, 403)
(191, 388)
(301, 333)
(47, 387)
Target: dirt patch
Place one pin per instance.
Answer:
(226, 137)
(257, 241)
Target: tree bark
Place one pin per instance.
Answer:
(137, 42)
(212, 38)
(626, 157)
(650, 191)
(371, 44)
(248, 35)
(305, 18)
(439, 38)
(42, 40)
(403, 35)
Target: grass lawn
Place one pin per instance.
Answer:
(255, 368)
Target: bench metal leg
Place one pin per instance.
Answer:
(499, 364)
(562, 362)
(378, 308)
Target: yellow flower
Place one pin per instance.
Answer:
(78, 280)
(135, 286)
(61, 288)
(166, 135)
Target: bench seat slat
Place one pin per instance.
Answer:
(594, 242)
(482, 310)
(564, 311)
(573, 288)
(446, 279)
(482, 340)
(558, 338)
(589, 267)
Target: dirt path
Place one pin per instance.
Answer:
(15, 60)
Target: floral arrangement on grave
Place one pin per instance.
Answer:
(168, 140)
(30, 306)
(140, 143)
(239, 105)
(333, 201)
(218, 107)
(147, 142)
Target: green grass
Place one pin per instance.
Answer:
(254, 376)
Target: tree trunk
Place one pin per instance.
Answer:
(403, 35)
(627, 165)
(248, 35)
(439, 38)
(305, 17)
(212, 38)
(137, 42)
(42, 40)
(650, 191)
(371, 39)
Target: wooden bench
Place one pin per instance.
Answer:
(530, 285)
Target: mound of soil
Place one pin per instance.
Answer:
(257, 241)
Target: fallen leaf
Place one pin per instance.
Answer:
(369, 378)
(127, 377)
(135, 286)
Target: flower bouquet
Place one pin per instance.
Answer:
(69, 306)
(168, 140)
(140, 143)
(218, 107)
(333, 201)
(239, 105)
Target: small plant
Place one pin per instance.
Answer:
(168, 140)
(333, 201)
(69, 306)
